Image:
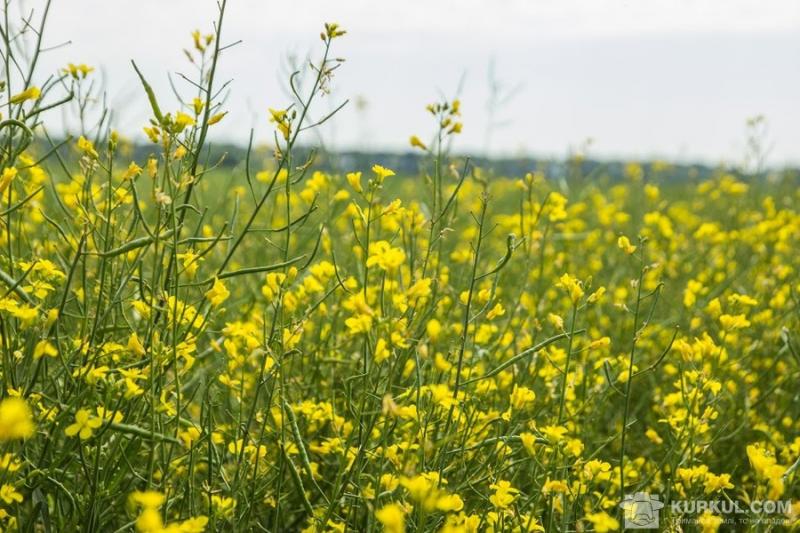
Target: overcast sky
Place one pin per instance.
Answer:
(643, 78)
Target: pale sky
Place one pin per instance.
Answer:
(643, 78)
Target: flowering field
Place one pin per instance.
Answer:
(190, 347)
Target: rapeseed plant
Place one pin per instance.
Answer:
(278, 348)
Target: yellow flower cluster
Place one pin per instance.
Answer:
(189, 345)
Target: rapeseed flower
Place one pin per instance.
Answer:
(16, 419)
(31, 93)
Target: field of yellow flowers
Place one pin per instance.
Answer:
(284, 349)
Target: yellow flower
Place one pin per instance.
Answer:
(424, 489)
(392, 517)
(201, 42)
(281, 118)
(528, 441)
(87, 147)
(223, 505)
(420, 289)
(109, 416)
(714, 308)
(554, 434)
(78, 71)
(291, 337)
(555, 320)
(381, 353)
(332, 31)
(354, 179)
(9, 463)
(39, 289)
(179, 153)
(653, 436)
(603, 522)
(189, 436)
(504, 494)
(149, 499)
(197, 105)
(555, 485)
(272, 284)
(495, 312)
(150, 521)
(709, 522)
(767, 469)
(572, 286)
(625, 244)
(9, 494)
(31, 93)
(733, 322)
(417, 143)
(419, 487)
(216, 118)
(44, 348)
(182, 120)
(464, 523)
(26, 314)
(92, 374)
(521, 396)
(389, 482)
(742, 299)
(602, 342)
(277, 115)
(9, 173)
(152, 167)
(382, 173)
(361, 323)
(449, 503)
(152, 133)
(132, 171)
(196, 524)
(84, 425)
(433, 329)
(574, 447)
(135, 345)
(16, 420)
(597, 296)
(190, 261)
(714, 483)
(596, 470)
(385, 256)
(557, 207)
(218, 293)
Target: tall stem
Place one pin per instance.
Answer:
(631, 358)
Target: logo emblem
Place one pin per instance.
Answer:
(641, 510)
